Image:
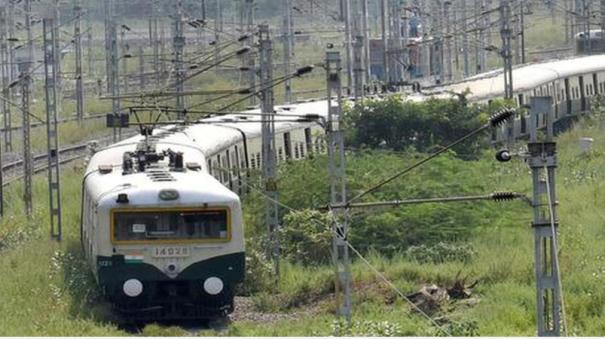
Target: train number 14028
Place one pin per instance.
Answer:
(170, 252)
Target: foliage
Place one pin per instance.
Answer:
(398, 124)
(306, 237)
(440, 252)
(366, 328)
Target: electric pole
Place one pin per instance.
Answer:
(268, 141)
(78, 47)
(112, 61)
(505, 34)
(5, 83)
(249, 62)
(385, 44)
(6, 79)
(142, 79)
(288, 41)
(25, 76)
(178, 46)
(218, 30)
(338, 188)
(543, 163)
(125, 55)
(346, 8)
(465, 45)
(50, 88)
(366, 40)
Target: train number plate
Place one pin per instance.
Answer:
(171, 251)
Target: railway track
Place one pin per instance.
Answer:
(13, 171)
(60, 121)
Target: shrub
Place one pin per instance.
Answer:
(306, 237)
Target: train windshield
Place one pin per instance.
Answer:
(171, 225)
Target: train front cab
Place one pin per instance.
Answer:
(170, 262)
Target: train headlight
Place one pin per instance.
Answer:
(132, 287)
(213, 285)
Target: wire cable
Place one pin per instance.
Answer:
(496, 120)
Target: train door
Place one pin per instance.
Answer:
(568, 96)
(582, 94)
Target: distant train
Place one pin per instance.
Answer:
(161, 222)
(572, 84)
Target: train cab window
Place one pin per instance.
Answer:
(210, 224)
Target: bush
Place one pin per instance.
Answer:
(366, 329)
(306, 237)
(396, 124)
(440, 252)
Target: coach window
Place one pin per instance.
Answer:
(308, 140)
(287, 145)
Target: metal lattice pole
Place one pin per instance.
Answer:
(346, 15)
(218, 30)
(50, 88)
(112, 63)
(142, 79)
(268, 143)
(288, 41)
(178, 46)
(366, 40)
(125, 49)
(78, 47)
(385, 43)
(465, 42)
(507, 58)
(89, 45)
(6, 79)
(24, 69)
(155, 43)
(249, 61)
(543, 162)
(338, 189)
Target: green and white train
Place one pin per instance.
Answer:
(161, 222)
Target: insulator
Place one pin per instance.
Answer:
(501, 116)
(504, 196)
